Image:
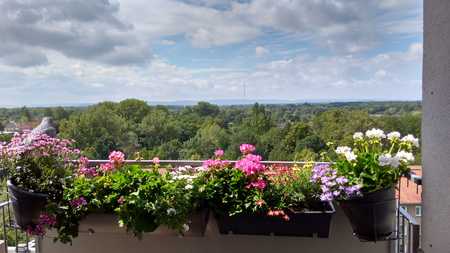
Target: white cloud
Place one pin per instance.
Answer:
(261, 51)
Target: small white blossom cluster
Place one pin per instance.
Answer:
(411, 139)
(358, 136)
(401, 156)
(187, 173)
(393, 135)
(375, 133)
(347, 152)
(171, 211)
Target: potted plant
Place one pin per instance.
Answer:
(251, 198)
(140, 200)
(38, 166)
(374, 165)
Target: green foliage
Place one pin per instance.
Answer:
(377, 162)
(226, 192)
(142, 200)
(281, 132)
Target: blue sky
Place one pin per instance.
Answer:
(76, 51)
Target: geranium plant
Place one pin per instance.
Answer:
(39, 169)
(376, 161)
(142, 199)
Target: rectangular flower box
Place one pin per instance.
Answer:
(304, 224)
(108, 223)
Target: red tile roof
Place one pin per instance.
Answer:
(410, 192)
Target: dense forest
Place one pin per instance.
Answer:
(280, 132)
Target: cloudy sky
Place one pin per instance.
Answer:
(78, 51)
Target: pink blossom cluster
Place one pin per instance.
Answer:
(218, 153)
(116, 158)
(35, 230)
(215, 164)
(47, 219)
(258, 184)
(39, 229)
(251, 164)
(38, 145)
(78, 202)
(247, 148)
(84, 168)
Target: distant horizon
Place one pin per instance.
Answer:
(219, 102)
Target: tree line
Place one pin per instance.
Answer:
(280, 132)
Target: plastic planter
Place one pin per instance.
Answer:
(373, 215)
(27, 206)
(305, 224)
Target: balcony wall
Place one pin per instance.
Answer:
(109, 238)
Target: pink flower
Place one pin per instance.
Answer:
(259, 184)
(88, 171)
(251, 164)
(78, 202)
(218, 153)
(35, 230)
(83, 161)
(47, 219)
(116, 158)
(215, 164)
(121, 200)
(107, 167)
(247, 148)
(156, 160)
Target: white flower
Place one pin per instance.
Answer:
(385, 160)
(350, 156)
(188, 187)
(393, 135)
(171, 211)
(405, 156)
(395, 162)
(358, 136)
(185, 227)
(411, 139)
(388, 160)
(375, 133)
(343, 150)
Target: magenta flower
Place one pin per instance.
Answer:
(35, 230)
(47, 219)
(247, 148)
(116, 158)
(78, 202)
(216, 164)
(218, 153)
(121, 200)
(251, 164)
(259, 184)
(106, 167)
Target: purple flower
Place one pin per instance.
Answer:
(247, 148)
(78, 202)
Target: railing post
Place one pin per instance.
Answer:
(415, 238)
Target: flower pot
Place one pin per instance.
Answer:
(306, 223)
(372, 216)
(197, 225)
(27, 206)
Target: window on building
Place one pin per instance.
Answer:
(418, 211)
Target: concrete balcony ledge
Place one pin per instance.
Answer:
(108, 237)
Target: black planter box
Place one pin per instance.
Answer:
(27, 206)
(373, 215)
(305, 224)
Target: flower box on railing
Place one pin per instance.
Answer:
(304, 223)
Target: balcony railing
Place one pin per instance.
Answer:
(406, 240)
